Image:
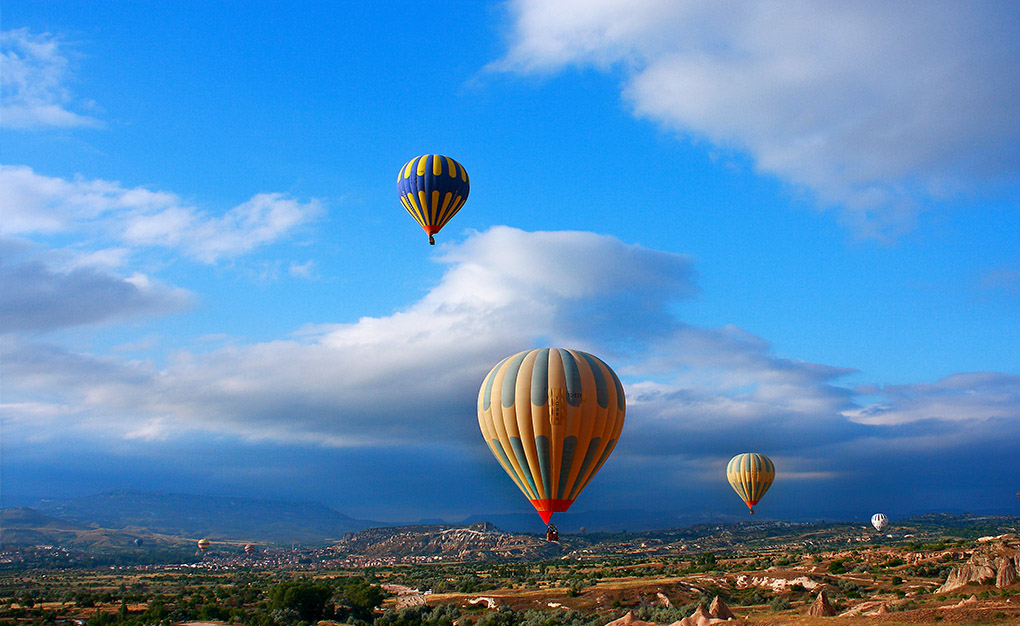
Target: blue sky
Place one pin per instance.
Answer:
(791, 229)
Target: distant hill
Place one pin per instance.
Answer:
(218, 518)
(477, 542)
(22, 527)
(24, 517)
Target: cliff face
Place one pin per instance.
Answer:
(478, 542)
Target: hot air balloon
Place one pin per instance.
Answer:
(750, 475)
(551, 418)
(432, 188)
(203, 545)
(138, 541)
(249, 548)
(879, 521)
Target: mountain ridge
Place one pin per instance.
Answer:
(215, 517)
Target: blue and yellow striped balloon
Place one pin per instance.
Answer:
(551, 418)
(750, 475)
(432, 188)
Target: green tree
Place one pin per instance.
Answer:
(306, 600)
(355, 597)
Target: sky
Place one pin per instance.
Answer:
(791, 228)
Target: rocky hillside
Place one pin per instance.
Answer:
(995, 562)
(477, 542)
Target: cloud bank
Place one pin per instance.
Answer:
(404, 386)
(876, 107)
(375, 381)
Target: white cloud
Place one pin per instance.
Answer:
(408, 382)
(137, 217)
(971, 397)
(874, 106)
(392, 380)
(34, 92)
(379, 379)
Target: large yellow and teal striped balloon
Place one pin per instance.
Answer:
(432, 188)
(750, 475)
(551, 418)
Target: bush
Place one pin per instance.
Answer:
(419, 616)
(779, 604)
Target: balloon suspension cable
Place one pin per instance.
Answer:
(432, 240)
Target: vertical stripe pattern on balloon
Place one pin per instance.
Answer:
(551, 417)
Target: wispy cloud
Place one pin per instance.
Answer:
(876, 107)
(138, 217)
(34, 93)
(972, 397)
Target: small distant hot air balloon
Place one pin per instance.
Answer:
(138, 541)
(750, 475)
(551, 418)
(249, 548)
(879, 521)
(203, 545)
(432, 188)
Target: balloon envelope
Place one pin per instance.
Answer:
(551, 418)
(879, 521)
(750, 475)
(249, 548)
(432, 188)
(203, 544)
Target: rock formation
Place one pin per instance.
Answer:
(980, 568)
(882, 609)
(700, 617)
(623, 621)
(821, 606)
(663, 600)
(629, 620)
(1006, 575)
(720, 610)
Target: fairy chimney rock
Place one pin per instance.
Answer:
(821, 606)
(720, 610)
(629, 620)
